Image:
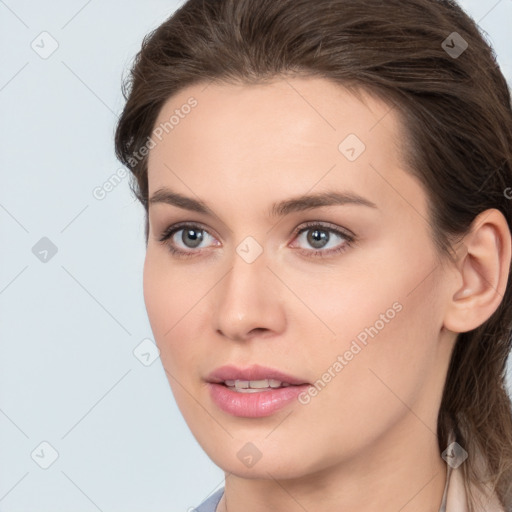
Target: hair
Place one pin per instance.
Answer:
(457, 118)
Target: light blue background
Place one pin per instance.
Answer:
(68, 375)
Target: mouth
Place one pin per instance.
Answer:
(253, 392)
(255, 386)
(255, 377)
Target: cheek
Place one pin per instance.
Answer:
(173, 304)
(391, 367)
(170, 308)
(385, 318)
(159, 304)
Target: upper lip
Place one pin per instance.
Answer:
(254, 372)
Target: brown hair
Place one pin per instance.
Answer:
(456, 110)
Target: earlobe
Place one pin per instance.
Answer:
(484, 269)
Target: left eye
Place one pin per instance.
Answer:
(318, 236)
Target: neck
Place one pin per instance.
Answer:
(403, 472)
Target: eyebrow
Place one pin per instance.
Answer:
(295, 204)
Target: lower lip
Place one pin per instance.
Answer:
(254, 405)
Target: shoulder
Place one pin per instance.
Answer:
(210, 504)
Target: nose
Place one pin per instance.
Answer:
(249, 301)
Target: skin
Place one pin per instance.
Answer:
(368, 440)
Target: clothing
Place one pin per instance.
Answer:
(211, 503)
(455, 500)
(455, 497)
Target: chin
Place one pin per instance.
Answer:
(254, 461)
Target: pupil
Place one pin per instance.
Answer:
(194, 234)
(317, 236)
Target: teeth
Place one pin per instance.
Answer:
(251, 386)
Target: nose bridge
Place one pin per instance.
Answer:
(247, 298)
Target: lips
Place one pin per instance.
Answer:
(253, 392)
(252, 373)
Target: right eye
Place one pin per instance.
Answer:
(181, 239)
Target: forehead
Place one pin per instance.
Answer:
(286, 137)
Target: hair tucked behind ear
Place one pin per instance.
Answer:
(456, 111)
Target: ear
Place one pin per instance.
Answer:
(482, 266)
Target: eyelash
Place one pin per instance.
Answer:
(349, 239)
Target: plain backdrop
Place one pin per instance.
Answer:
(86, 423)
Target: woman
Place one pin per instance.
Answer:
(327, 276)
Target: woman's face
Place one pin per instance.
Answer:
(347, 296)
